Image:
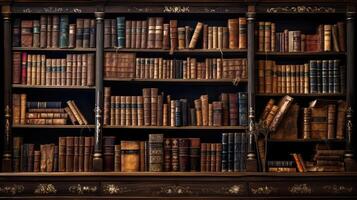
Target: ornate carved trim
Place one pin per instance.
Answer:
(300, 189)
(49, 9)
(234, 189)
(112, 189)
(12, 189)
(45, 189)
(301, 9)
(82, 189)
(98, 116)
(7, 119)
(266, 190)
(176, 9)
(337, 189)
(175, 190)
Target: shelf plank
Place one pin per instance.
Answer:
(328, 53)
(183, 51)
(68, 126)
(54, 49)
(308, 141)
(52, 87)
(180, 127)
(179, 81)
(301, 95)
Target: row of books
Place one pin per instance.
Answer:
(54, 31)
(328, 37)
(327, 159)
(323, 119)
(45, 112)
(127, 65)
(71, 154)
(37, 69)
(154, 109)
(281, 166)
(317, 76)
(154, 33)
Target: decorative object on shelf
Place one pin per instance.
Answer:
(13, 189)
(82, 189)
(45, 189)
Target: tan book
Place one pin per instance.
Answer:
(16, 108)
(271, 115)
(77, 113)
(130, 156)
(327, 37)
(331, 121)
(196, 35)
(214, 37)
(242, 44)
(341, 120)
(140, 108)
(71, 115)
(198, 108)
(272, 37)
(267, 36)
(210, 115)
(205, 111)
(267, 109)
(23, 98)
(261, 76)
(233, 33)
(172, 113)
(284, 106)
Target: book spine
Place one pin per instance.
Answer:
(80, 32)
(36, 33)
(196, 35)
(16, 32)
(184, 156)
(156, 152)
(86, 33)
(331, 121)
(327, 37)
(130, 158)
(92, 34)
(121, 31)
(63, 40)
(242, 44)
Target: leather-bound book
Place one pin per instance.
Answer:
(127, 110)
(81, 154)
(210, 37)
(26, 33)
(144, 160)
(49, 31)
(55, 158)
(144, 33)
(16, 32)
(63, 31)
(36, 33)
(338, 71)
(196, 35)
(87, 154)
(261, 76)
(16, 152)
(267, 36)
(71, 115)
(153, 105)
(341, 119)
(128, 33)
(195, 144)
(261, 38)
(69, 153)
(62, 154)
(23, 98)
(243, 108)
(24, 68)
(327, 28)
(217, 113)
(113, 33)
(215, 37)
(293, 79)
(193, 66)
(50, 157)
(198, 108)
(130, 158)
(24, 157)
(224, 98)
(324, 76)
(242, 41)
(134, 111)
(181, 37)
(336, 45)
(213, 157)
(86, 33)
(151, 32)
(156, 152)
(218, 157)
(173, 34)
(193, 117)
(331, 121)
(55, 30)
(133, 34)
(184, 112)
(92, 34)
(307, 123)
(159, 112)
(230, 152)
(79, 31)
(16, 67)
(140, 108)
(16, 108)
(237, 143)
(84, 63)
(147, 106)
(117, 158)
(288, 128)
(225, 42)
(90, 69)
(43, 160)
(158, 32)
(233, 33)
(273, 40)
(267, 109)
(188, 35)
(319, 121)
(121, 32)
(203, 157)
(167, 154)
(75, 112)
(72, 36)
(165, 115)
(184, 154)
(108, 152)
(75, 154)
(114, 111)
(271, 115)
(210, 115)
(205, 37)
(166, 36)
(284, 105)
(107, 33)
(204, 106)
(175, 155)
(122, 110)
(37, 160)
(341, 36)
(268, 76)
(208, 157)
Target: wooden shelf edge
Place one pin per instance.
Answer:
(180, 127)
(300, 95)
(52, 87)
(177, 51)
(193, 81)
(308, 140)
(300, 53)
(53, 49)
(52, 126)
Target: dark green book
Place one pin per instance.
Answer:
(64, 28)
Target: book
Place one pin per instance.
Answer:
(156, 152)
(195, 35)
(130, 159)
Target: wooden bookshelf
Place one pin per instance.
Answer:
(52, 87)
(181, 81)
(24, 126)
(300, 95)
(30, 49)
(301, 54)
(308, 141)
(183, 51)
(223, 128)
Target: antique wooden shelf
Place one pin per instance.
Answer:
(183, 51)
(308, 141)
(181, 81)
(68, 126)
(223, 128)
(300, 95)
(53, 49)
(52, 87)
(301, 54)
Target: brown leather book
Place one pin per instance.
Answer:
(122, 111)
(327, 28)
(261, 38)
(319, 122)
(114, 111)
(204, 37)
(90, 69)
(268, 76)
(128, 33)
(160, 110)
(16, 108)
(50, 157)
(203, 157)
(217, 113)
(267, 36)
(134, 111)
(225, 38)
(173, 34)
(151, 32)
(72, 105)
(87, 154)
(175, 155)
(214, 37)
(271, 115)
(210, 37)
(208, 158)
(233, 109)
(127, 110)
(184, 154)
(213, 157)
(188, 35)
(16, 67)
(107, 33)
(43, 161)
(55, 31)
(341, 119)
(16, 153)
(181, 37)
(69, 153)
(26, 33)
(154, 105)
(81, 154)
(140, 108)
(84, 65)
(156, 152)
(47, 115)
(336, 45)
(284, 105)
(133, 34)
(196, 35)
(210, 115)
(272, 37)
(72, 36)
(195, 145)
(165, 114)
(198, 108)
(138, 34)
(261, 76)
(144, 33)
(49, 31)
(43, 31)
(92, 34)
(147, 106)
(130, 158)
(204, 107)
(292, 79)
(172, 113)
(43, 70)
(331, 121)
(166, 36)
(23, 98)
(108, 153)
(76, 154)
(117, 158)
(80, 31)
(37, 161)
(107, 107)
(158, 32)
(29, 69)
(224, 98)
(341, 36)
(218, 157)
(233, 33)
(242, 42)
(167, 154)
(71, 116)
(307, 123)
(267, 109)
(288, 128)
(46, 121)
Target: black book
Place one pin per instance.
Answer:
(16, 32)
(184, 112)
(313, 76)
(319, 75)
(237, 151)
(193, 120)
(24, 161)
(337, 77)
(92, 34)
(224, 152)
(324, 76)
(244, 149)
(178, 114)
(331, 76)
(230, 151)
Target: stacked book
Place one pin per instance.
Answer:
(327, 160)
(328, 37)
(54, 31)
(160, 154)
(37, 69)
(45, 112)
(281, 166)
(317, 76)
(72, 154)
(127, 65)
(154, 33)
(154, 109)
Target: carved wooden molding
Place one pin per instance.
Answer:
(337, 189)
(301, 9)
(12, 189)
(300, 189)
(265, 190)
(234, 189)
(175, 190)
(45, 189)
(82, 189)
(112, 189)
(176, 9)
